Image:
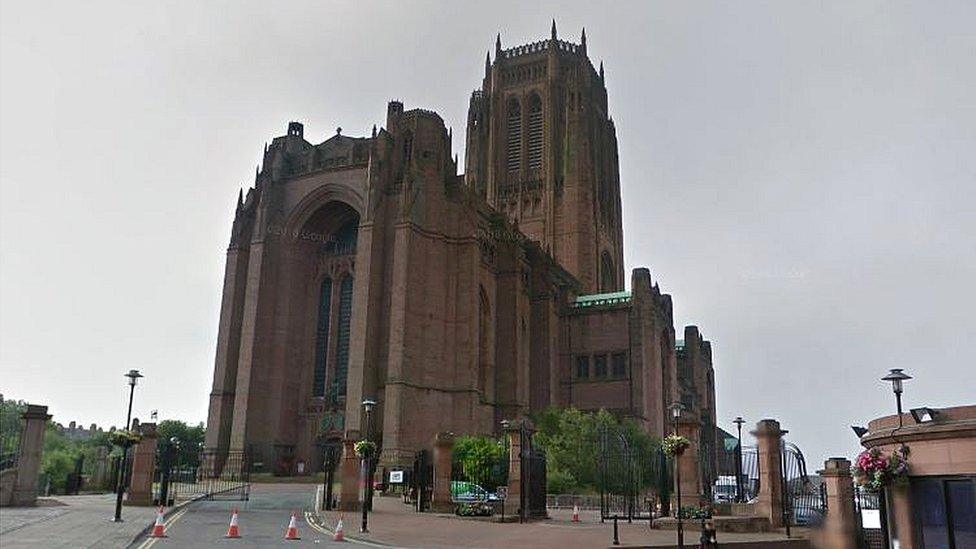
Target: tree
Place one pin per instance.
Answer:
(571, 439)
(481, 460)
(188, 440)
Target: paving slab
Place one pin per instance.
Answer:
(72, 521)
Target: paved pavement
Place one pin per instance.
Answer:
(262, 521)
(71, 521)
(83, 521)
(393, 523)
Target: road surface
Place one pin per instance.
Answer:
(262, 521)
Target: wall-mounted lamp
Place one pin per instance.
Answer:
(924, 415)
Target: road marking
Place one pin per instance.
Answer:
(311, 519)
(166, 524)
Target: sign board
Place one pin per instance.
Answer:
(396, 477)
(502, 492)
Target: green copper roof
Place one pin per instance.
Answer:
(595, 300)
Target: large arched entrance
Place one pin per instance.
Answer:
(326, 245)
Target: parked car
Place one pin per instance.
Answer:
(807, 516)
(468, 492)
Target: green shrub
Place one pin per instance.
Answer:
(560, 482)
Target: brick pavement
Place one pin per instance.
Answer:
(394, 523)
(72, 521)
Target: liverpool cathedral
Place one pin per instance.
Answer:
(369, 268)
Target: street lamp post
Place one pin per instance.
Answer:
(675, 414)
(133, 376)
(896, 376)
(367, 473)
(738, 460)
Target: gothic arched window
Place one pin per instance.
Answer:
(535, 139)
(608, 274)
(514, 146)
(322, 338)
(342, 336)
(407, 147)
(484, 335)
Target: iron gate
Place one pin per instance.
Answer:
(207, 475)
(533, 491)
(480, 486)
(630, 481)
(422, 480)
(803, 502)
(867, 517)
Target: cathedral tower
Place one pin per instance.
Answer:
(542, 149)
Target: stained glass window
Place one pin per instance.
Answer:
(322, 338)
(342, 336)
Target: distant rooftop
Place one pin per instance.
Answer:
(598, 300)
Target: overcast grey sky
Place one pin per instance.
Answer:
(800, 176)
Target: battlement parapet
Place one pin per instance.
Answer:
(541, 46)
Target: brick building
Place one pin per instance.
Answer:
(366, 267)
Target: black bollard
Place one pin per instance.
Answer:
(616, 538)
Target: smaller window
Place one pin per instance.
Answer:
(583, 367)
(619, 365)
(600, 366)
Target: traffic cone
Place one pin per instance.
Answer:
(233, 531)
(339, 534)
(576, 513)
(292, 532)
(159, 530)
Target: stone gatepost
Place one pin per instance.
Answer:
(143, 467)
(29, 456)
(901, 517)
(691, 484)
(440, 500)
(513, 502)
(351, 464)
(839, 528)
(769, 438)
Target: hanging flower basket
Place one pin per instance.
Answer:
(365, 449)
(124, 438)
(874, 471)
(675, 445)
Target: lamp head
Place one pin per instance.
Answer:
(896, 376)
(676, 410)
(738, 421)
(368, 404)
(133, 375)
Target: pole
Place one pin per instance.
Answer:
(327, 467)
(786, 505)
(367, 481)
(120, 487)
(738, 466)
(677, 482)
(898, 400)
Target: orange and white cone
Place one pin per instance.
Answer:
(233, 531)
(292, 532)
(159, 529)
(576, 513)
(339, 534)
